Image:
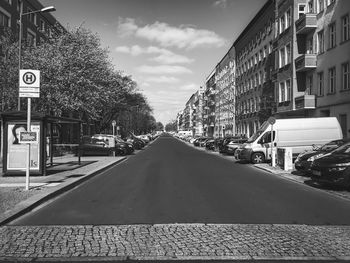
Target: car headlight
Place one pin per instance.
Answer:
(247, 147)
(312, 158)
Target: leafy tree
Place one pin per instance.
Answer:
(77, 79)
(171, 126)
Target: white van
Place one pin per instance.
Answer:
(300, 134)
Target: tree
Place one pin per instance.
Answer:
(159, 126)
(77, 79)
(171, 126)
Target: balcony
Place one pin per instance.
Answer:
(306, 23)
(305, 62)
(305, 102)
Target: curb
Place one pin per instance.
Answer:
(34, 201)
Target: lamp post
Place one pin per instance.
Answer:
(21, 14)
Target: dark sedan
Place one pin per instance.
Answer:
(333, 168)
(94, 146)
(305, 159)
(199, 141)
(234, 141)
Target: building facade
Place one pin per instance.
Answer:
(209, 108)
(225, 95)
(36, 27)
(255, 93)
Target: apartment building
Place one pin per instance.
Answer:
(225, 95)
(197, 118)
(254, 90)
(209, 105)
(330, 82)
(36, 27)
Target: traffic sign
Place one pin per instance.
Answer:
(114, 123)
(29, 78)
(271, 120)
(29, 95)
(28, 137)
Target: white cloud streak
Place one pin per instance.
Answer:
(165, 56)
(169, 36)
(163, 69)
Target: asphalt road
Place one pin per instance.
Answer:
(172, 182)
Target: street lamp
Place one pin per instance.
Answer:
(21, 14)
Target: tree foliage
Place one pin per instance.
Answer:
(77, 79)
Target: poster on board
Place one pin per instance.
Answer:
(17, 152)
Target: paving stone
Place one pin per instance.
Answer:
(176, 241)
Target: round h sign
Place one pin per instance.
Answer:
(29, 78)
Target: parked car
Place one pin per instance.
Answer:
(94, 146)
(233, 144)
(210, 144)
(137, 143)
(120, 147)
(199, 141)
(305, 159)
(333, 168)
(213, 144)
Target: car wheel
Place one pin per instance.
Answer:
(258, 158)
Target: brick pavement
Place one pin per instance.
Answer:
(176, 241)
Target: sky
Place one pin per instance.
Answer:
(169, 47)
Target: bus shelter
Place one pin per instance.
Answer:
(53, 133)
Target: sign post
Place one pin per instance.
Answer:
(272, 121)
(113, 126)
(29, 87)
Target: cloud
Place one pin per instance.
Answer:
(220, 3)
(191, 86)
(126, 27)
(163, 79)
(165, 56)
(183, 36)
(163, 69)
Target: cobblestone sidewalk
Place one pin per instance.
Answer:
(176, 241)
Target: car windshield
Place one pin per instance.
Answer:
(255, 136)
(345, 149)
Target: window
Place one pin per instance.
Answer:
(31, 16)
(309, 84)
(282, 58)
(311, 6)
(31, 40)
(288, 54)
(301, 9)
(282, 93)
(4, 20)
(288, 18)
(320, 36)
(345, 76)
(332, 35)
(282, 24)
(288, 90)
(320, 5)
(309, 46)
(320, 84)
(331, 78)
(42, 25)
(345, 30)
